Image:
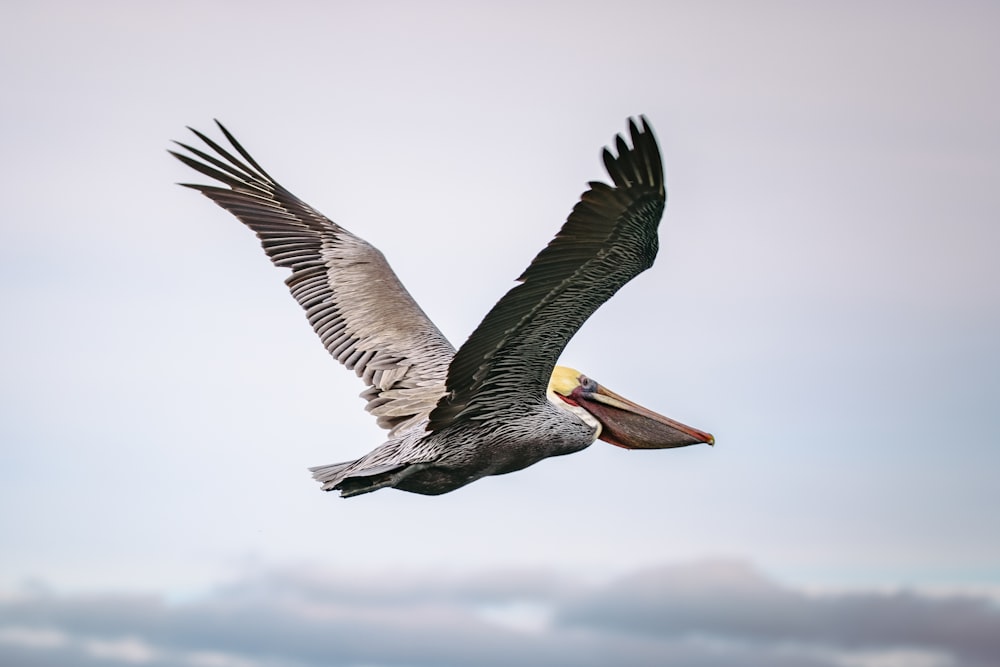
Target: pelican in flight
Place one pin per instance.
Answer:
(500, 403)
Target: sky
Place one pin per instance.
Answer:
(826, 302)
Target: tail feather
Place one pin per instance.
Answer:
(384, 466)
(353, 479)
(330, 475)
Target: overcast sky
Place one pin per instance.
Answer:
(826, 300)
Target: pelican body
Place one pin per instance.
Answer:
(500, 403)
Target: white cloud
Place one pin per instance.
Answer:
(893, 658)
(128, 649)
(31, 637)
(218, 659)
(518, 615)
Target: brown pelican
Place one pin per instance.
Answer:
(500, 403)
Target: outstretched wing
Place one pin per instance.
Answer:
(354, 301)
(609, 238)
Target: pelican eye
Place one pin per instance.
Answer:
(587, 384)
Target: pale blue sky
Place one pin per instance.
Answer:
(826, 300)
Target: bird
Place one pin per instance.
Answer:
(500, 403)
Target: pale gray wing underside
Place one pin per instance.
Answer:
(362, 313)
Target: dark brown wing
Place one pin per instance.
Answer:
(609, 238)
(353, 299)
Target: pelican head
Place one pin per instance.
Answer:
(619, 421)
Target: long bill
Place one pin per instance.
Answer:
(629, 425)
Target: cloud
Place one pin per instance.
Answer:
(731, 601)
(706, 614)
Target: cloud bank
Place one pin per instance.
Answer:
(706, 614)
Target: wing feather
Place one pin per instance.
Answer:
(608, 239)
(362, 313)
